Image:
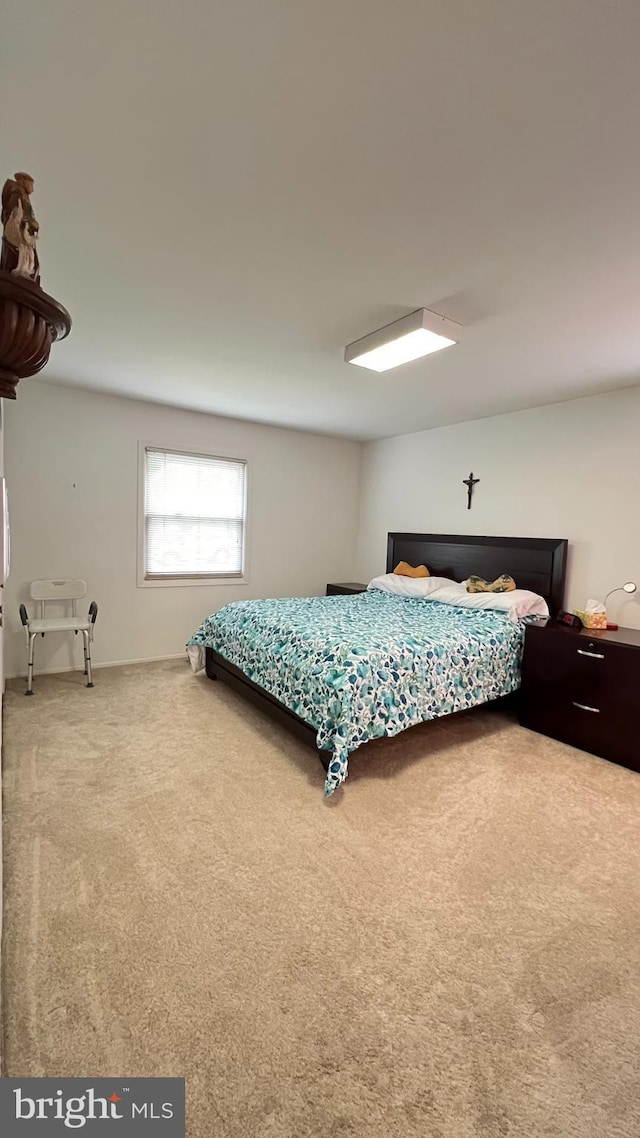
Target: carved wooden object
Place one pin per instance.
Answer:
(30, 319)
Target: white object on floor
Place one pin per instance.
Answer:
(196, 657)
(66, 591)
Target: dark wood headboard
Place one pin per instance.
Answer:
(535, 563)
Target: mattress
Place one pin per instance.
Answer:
(360, 667)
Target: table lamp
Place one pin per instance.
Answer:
(628, 587)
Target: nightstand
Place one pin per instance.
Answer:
(345, 587)
(583, 687)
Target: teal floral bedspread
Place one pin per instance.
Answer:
(358, 667)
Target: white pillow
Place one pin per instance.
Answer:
(410, 586)
(518, 603)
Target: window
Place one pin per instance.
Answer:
(194, 516)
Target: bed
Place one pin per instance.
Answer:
(346, 669)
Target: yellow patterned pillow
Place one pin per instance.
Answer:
(404, 570)
(503, 584)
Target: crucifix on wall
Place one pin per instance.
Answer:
(470, 482)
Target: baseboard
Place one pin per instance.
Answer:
(102, 664)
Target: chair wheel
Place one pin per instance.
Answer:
(90, 685)
(28, 693)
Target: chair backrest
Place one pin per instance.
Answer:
(67, 590)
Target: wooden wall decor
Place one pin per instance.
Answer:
(30, 319)
(471, 484)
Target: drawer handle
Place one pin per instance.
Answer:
(585, 707)
(593, 655)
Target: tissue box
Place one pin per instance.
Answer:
(592, 619)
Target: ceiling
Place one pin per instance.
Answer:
(229, 191)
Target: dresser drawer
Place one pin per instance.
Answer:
(621, 675)
(557, 659)
(588, 669)
(584, 690)
(553, 713)
(607, 728)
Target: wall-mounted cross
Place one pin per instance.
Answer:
(470, 482)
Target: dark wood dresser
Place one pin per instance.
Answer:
(341, 588)
(583, 687)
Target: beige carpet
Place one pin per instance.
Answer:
(449, 948)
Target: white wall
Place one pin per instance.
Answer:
(71, 462)
(571, 470)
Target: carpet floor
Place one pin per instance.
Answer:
(448, 948)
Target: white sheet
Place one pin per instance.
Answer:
(410, 586)
(196, 657)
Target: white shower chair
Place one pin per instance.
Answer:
(60, 592)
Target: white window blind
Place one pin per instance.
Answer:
(194, 510)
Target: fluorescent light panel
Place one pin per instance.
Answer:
(415, 335)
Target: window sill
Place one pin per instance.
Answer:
(190, 582)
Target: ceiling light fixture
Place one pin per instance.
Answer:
(415, 335)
